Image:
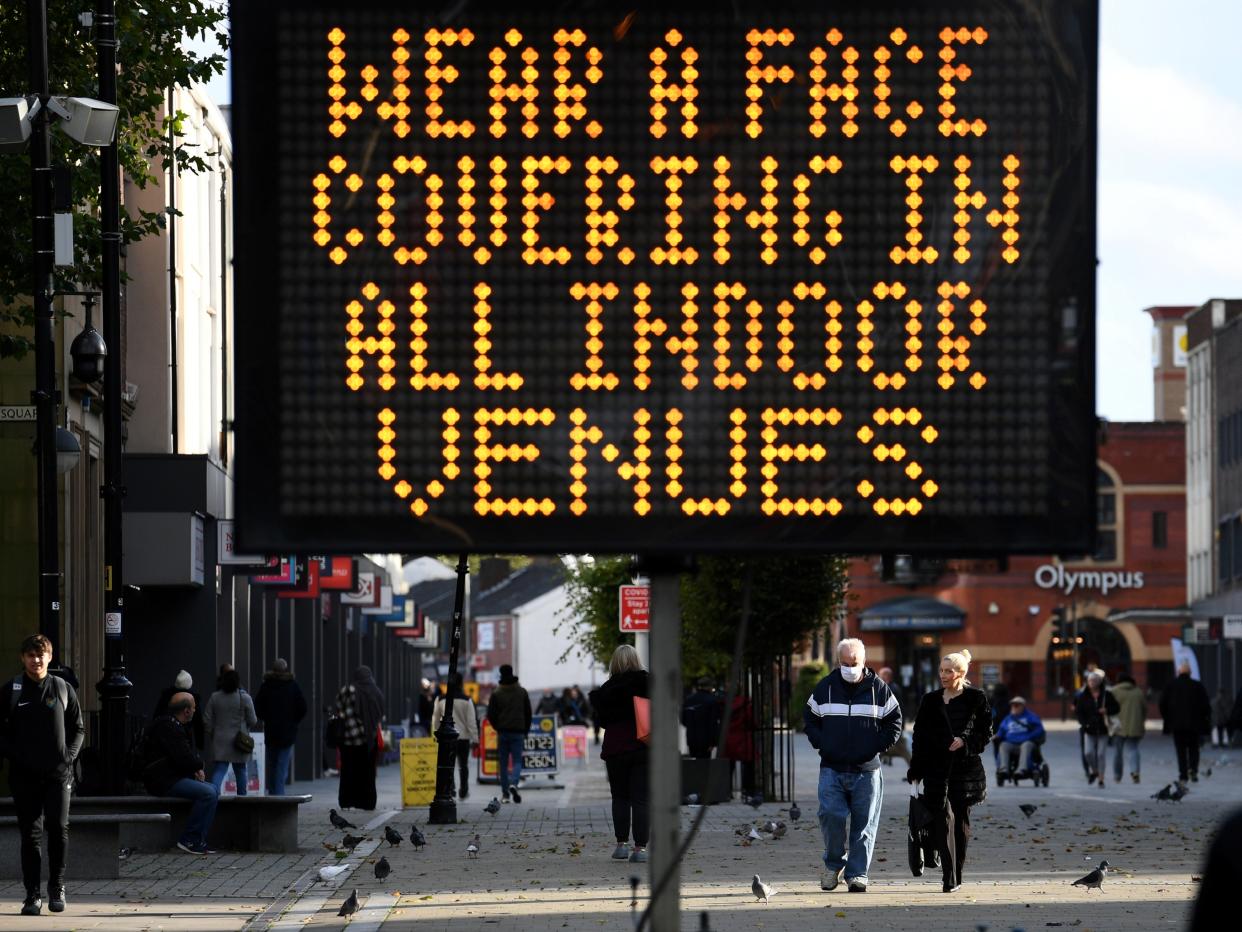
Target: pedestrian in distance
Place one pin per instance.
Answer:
(360, 706)
(171, 767)
(1222, 710)
(508, 709)
(183, 683)
(851, 718)
(740, 747)
(41, 734)
(624, 755)
(280, 705)
(1094, 709)
(951, 730)
(465, 720)
(700, 714)
(1130, 728)
(228, 719)
(426, 705)
(1187, 716)
(1020, 732)
(901, 748)
(549, 703)
(573, 707)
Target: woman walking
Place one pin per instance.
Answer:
(623, 754)
(951, 730)
(228, 716)
(360, 705)
(465, 720)
(1095, 708)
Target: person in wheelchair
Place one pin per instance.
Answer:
(1021, 732)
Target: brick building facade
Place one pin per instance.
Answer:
(1128, 600)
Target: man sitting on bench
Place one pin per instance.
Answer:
(172, 768)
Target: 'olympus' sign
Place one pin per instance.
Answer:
(1055, 576)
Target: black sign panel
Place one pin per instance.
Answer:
(678, 277)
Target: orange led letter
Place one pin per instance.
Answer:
(607, 219)
(485, 419)
(959, 72)
(382, 345)
(832, 344)
(595, 380)
(952, 344)
(645, 326)
(533, 202)
(673, 236)
(967, 201)
(434, 201)
(418, 345)
(897, 454)
(637, 471)
(722, 344)
(526, 90)
(866, 327)
(913, 165)
(438, 76)
(483, 346)
(763, 218)
(768, 75)
(773, 453)
(845, 93)
(568, 96)
(802, 200)
(883, 55)
(387, 454)
(685, 92)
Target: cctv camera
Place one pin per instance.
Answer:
(86, 120)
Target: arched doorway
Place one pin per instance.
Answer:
(1100, 644)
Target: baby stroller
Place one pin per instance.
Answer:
(1038, 773)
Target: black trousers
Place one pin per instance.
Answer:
(627, 779)
(1187, 744)
(42, 805)
(463, 765)
(357, 787)
(950, 830)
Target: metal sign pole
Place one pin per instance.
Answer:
(665, 750)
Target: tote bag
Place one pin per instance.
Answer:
(642, 719)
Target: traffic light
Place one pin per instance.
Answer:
(1062, 627)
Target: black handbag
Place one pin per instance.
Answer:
(242, 741)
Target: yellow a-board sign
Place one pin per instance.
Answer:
(418, 771)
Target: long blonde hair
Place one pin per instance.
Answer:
(960, 661)
(624, 659)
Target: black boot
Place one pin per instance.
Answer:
(56, 898)
(33, 904)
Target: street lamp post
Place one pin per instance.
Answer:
(115, 685)
(44, 396)
(444, 806)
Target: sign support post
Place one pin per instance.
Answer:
(443, 809)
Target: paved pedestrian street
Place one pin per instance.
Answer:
(546, 864)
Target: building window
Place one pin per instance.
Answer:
(1106, 518)
(1160, 529)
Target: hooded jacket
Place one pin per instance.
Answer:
(1131, 710)
(1018, 729)
(281, 706)
(1185, 706)
(852, 724)
(508, 707)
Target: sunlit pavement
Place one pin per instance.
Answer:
(546, 863)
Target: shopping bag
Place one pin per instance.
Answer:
(642, 719)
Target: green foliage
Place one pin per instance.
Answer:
(152, 59)
(790, 597)
(808, 678)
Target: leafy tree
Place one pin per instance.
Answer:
(152, 59)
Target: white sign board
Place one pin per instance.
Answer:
(1232, 627)
(226, 552)
(485, 636)
(17, 413)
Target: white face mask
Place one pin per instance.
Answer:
(852, 674)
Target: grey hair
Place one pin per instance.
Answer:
(280, 665)
(857, 646)
(1095, 676)
(624, 659)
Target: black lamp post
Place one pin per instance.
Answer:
(444, 806)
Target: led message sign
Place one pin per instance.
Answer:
(682, 277)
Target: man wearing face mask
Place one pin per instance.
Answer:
(851, 718)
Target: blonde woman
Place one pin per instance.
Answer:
(623, 754)
(951, 730)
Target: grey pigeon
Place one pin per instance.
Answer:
(350, 906)
(1179, 790)
(417, 839)
(392, 836)
(755, 801)
(493, 807)
(761, 890)
(692, 799)
(339, 821)
(1028, 809)
(1094, 880)
(352, 841)
(753, 834)
(779, 831)
(382, 868)
(794, 812)
(1166, 793)
(472, 849)
(768, 826)
(1207, 773)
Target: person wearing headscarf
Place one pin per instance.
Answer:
(360, 705)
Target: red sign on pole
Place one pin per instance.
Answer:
(635, 605)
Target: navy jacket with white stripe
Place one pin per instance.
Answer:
(852, 724)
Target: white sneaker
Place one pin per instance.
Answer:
(621, 852)
(830, 880)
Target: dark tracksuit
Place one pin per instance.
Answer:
(41, 740)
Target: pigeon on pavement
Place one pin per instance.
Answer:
(779, 831)
(339, 821)
(1166, 793)
(768, 826)
(761, 890)
(1028, 809)
(753, 834)
(472, 849)
(1179, 790)
(755, 801)
(1094, 880)
(392, 836)
(692, 799)
(493, 807)
(352, 841)
(350, 906)
(330, 873)
(417, 839)
(382, 868)
(794, 812)
(1207, 773)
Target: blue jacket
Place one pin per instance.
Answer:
(1017, 729)
(852, 724)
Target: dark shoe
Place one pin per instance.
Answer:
(203, 848)
(189, 847)
(517, 797)
(56, 899)
(857, 886)
(1194, 777)
(33, 905)
(1134, 777)
(950, 887)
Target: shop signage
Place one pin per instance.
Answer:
(1056, 576)
(1232, 627)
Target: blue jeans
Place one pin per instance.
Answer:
(509, 745)
(1131, 745)
(278, 770)
(221, 768)
(204, 796)
(853, 796)
(1095, 753)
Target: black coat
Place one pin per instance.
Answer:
(281, 706)
(168, 755)
(1185, 706)
(701, 715)
(196, 724)
(959, 772)
(1090, 711)
(613, 703)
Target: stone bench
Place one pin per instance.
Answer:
(94, 843)
(242, 823)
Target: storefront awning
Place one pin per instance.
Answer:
(911, 613)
